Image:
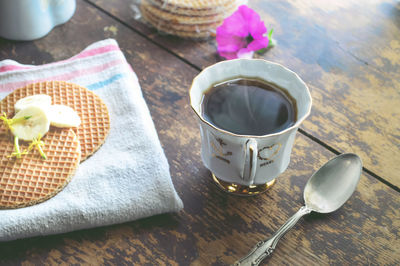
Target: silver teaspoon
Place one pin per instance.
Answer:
(326, 191)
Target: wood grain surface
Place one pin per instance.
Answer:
(216, 228)
(347, 51)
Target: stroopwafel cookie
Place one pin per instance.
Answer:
(170, 27)
(95, 119)
(31, 179)
(187, 19)
(194, 33)
(193, 7)
(176, 18)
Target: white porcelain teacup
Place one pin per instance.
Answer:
(248, 164)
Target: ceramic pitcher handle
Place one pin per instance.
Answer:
(250, 162)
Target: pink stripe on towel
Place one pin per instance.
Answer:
(83, 54)
(8, 87)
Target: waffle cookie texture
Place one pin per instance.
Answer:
(194, 5)
(95, 119)
(197, 19)
(30, 179)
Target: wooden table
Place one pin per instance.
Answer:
(348, 52)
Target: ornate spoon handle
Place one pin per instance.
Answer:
(265, 247)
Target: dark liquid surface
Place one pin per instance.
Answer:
(248, 107)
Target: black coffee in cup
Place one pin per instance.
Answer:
(249, 107)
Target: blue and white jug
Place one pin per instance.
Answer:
(32, 19)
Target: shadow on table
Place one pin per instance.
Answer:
(83, 243)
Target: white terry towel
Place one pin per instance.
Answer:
(126, 179)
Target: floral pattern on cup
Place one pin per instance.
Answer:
(219, 152)
(242, 159)
(267, 154)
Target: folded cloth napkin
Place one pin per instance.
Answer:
(126, 179)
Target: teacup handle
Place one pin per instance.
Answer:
(250, 161)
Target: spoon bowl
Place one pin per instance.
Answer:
(333, 184)
(326, 191)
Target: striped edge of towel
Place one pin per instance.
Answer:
(107, 49)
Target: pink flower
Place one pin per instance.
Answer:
(241, 34)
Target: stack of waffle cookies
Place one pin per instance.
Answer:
(196, 19)
(31, 179)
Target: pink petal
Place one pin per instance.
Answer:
(230, 43)
(228, 48)
(255, 26)
(235, 24)
(258, 44)
(245, 53)
(229, 56)
(257, 31)
(232, 34)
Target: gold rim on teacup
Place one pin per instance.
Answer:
(295, 125)
(245, 165)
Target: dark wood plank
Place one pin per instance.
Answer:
(217, 228)
(348, 52)
(214, 228)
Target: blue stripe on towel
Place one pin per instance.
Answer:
(106, 82)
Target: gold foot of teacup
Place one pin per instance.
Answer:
(242, 190)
